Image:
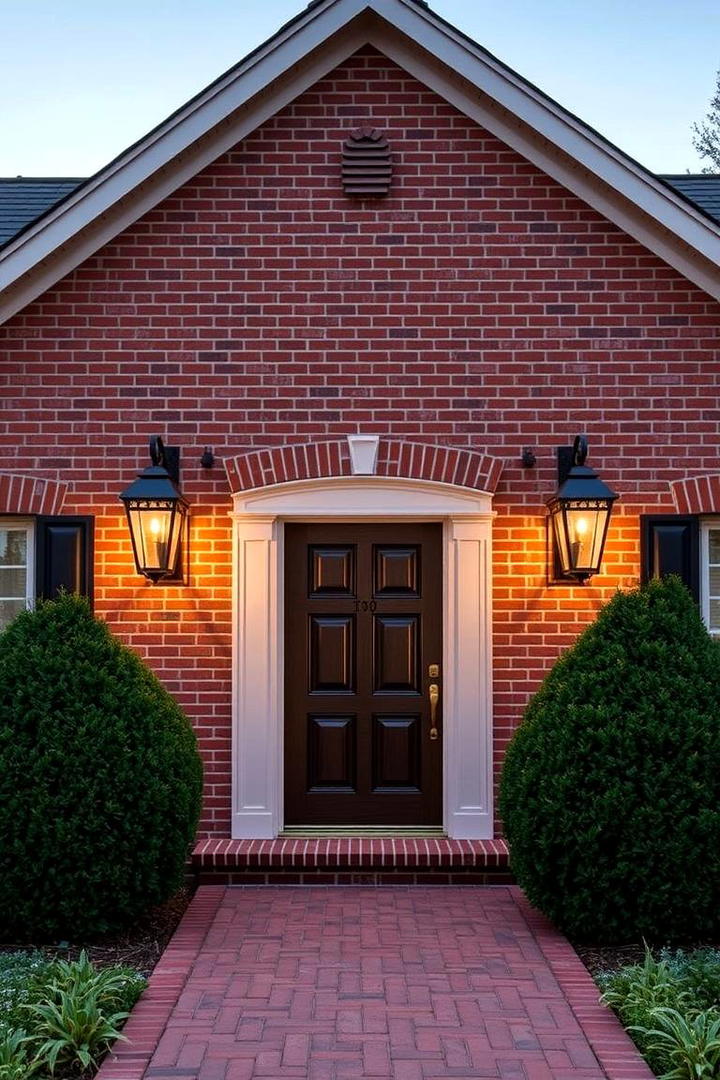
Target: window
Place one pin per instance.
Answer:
(17, 568)
(710, 574)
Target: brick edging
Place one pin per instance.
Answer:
(618, 1056)
(149, 1017)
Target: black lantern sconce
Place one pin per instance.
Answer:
(578, 517)
(158, 517)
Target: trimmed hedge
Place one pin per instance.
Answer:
(610, 789)
(100, 779)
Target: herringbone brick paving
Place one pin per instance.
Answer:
(409, 983)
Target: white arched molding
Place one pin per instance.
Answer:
(258, 663)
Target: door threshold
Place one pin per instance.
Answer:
(319, 831)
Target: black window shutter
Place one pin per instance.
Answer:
(671, 545)
(64, 555)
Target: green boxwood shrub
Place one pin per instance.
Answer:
(610, 790)
(100, 779)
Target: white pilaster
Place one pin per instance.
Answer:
(468, 742)
(256, 721)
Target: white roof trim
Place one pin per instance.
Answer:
(293, 60)
(657, 217)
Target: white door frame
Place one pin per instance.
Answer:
(258, 634)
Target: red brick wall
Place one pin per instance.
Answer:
(480, 305)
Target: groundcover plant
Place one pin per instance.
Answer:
(59, 1017)
(670, 1004)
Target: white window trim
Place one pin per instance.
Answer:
(28, 524)
(706, 524)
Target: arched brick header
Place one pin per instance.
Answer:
(697, 494)
(411, 461)
(30, 495)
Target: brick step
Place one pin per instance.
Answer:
(356, 860)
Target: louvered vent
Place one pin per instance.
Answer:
(366, 165)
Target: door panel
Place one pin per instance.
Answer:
(397, 654)
(331, 753)
(332, 654)
(332, 571)
(396, 753)
(396, 571)
(363, 622)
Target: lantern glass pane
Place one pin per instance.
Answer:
(175, 536)
(561, 540)
(586, 532)
(579, 528)
(154, 527)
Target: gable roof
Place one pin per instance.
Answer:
(23, 199)
(304, 50)
(702, 189)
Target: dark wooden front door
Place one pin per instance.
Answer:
(363, 625)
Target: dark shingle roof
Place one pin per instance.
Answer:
(703, 189)
(24, 198)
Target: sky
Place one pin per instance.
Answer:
(80, 80)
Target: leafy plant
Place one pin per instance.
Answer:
(81, 1012)
(610, 789)
(14, 1062)
(638, 989)
(635, 991)
(60, 1014)
(669, 1004)
(100, 778)
(73, 1029)
(690, 1043)
(116, 986)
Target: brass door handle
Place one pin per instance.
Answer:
(434, 693)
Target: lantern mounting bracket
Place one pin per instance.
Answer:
(567, 456)
(167, 457)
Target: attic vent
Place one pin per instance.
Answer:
(366, 166)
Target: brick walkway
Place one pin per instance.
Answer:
(410, 983)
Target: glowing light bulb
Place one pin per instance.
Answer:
(581, 527)
(157, 541)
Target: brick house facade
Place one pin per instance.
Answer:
(250, 305)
